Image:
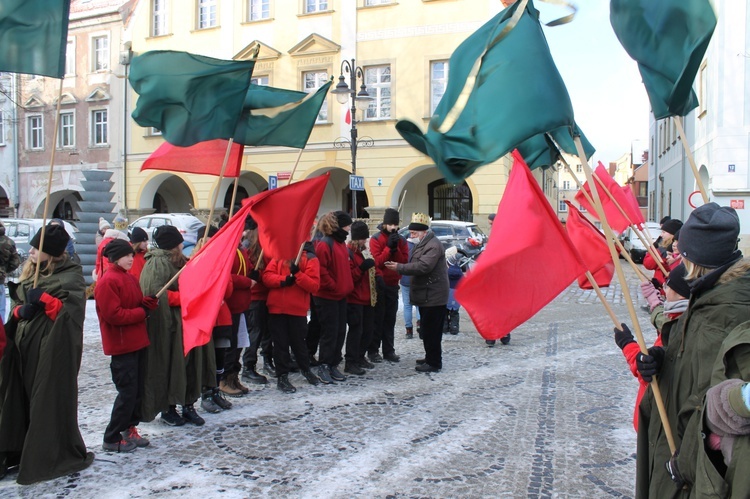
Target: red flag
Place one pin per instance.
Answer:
(615, 218)
(528, 260)
(348, 116)
(633, 210)
(203, 157)
(205, 279)
(592, 247)
(285, 216)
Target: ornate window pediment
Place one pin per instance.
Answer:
(265, 52)
(314, 45)
(67, 99)
(99, 94)
(33, 102)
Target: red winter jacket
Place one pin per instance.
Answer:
(295, 299)
(101, 265)
(139, 260)
(361, 293)
(382, 253)
(259, 292)
(631, 352)
(122, 320)
(335, 275)
(240, 299)
(224, 318)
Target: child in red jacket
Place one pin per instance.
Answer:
(122, 311)
(360, 304)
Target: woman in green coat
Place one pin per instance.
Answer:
(39, 370)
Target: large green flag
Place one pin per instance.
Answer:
(541, 151)
(34, 36)
(667, 38)
(279, 117)
(503, 89)
(190, 98)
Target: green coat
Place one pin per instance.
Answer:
(39, 382)
(694, 344)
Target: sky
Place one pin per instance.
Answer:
(609, 100)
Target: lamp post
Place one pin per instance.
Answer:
(359, 100)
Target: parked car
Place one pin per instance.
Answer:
(466, 236)
(187, 224)
(21, 230)
(632, 243)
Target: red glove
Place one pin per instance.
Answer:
(52, 305)
(150, 302)
(173, 298)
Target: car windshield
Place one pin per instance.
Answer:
(442, 231)
(475, 231)
(462, 232)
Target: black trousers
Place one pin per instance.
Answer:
(288, 331)
(232, 354)
(432, 334)
(313, 330)
(358, 337)
(386, 310)
(127, 375)
(260, 334)
(332, 317)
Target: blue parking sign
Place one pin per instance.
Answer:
(273, 182)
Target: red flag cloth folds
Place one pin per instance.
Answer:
(592, 247)
(285, 216)
(205, 279)
(204, 157)
(616, 220)
(633, 210)
(528, 261)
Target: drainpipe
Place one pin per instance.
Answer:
(125, 59)
(16, 140)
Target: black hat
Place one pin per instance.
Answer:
(55, 240)
(391, 217)
(138, 235)
(359, 231)
(676, 281)
(211, 232)
(250, 224)
(709, 237)
(491, 217)
(672, 226)
(343, 219)
(167, 237)
(116, 249)
(661, 222)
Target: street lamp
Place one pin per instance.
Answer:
(359, 100)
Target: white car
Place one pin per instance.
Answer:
(21, 230)
(187, 224)
(632, 243)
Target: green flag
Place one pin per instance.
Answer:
(503, 89)
(34, 36)
(541, 151)
(667, 38)
(190, 98)
(279, 117)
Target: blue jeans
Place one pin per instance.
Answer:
(2, 303)
(408, 306)
(452, 303)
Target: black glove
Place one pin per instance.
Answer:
(393, 241)
(650, 365)
(656, 283)
(293, 268)
(29, 311)
(289, 281)
(623, 336)
(34, 295)
(674, 471)
(147, 310)
(367, 264)
(254, 275)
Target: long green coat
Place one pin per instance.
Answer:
(39, 382)
(694, 344)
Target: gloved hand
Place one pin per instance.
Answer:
(367, 264)
(254, 275)
(289, 281)
(674, 471)
(150, 302)
(29, 311)
(652, 296)
(656, 283)
(393, 240)
(293, 268)
(650, 365)
(34, 296)
(623, 336)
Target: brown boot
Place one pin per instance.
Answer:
(234, 379)
(227, 389)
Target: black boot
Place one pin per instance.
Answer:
(453, 326)
(251, 376)
(285, 385)
(190, 415)
(446, 322)
(269, 366)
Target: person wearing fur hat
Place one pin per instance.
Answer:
(103, 226)
(139, 240)
(122, 310)
(387, 246)
(664, 249)
(360, 304)
(429, 288)
(709, 343)
(39, 416)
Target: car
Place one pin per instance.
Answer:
(466, 236)
(186, 223)
(633, 244)
(22, 230)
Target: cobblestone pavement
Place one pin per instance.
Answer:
(549, 415)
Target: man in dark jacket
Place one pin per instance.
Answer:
(429, 288)
(9, 261)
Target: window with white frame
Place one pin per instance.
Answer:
(258, 9)
(35, 132)
(702, 89)
(99, 127)
(566, 185)
(206, 14)
(562, 206)
(315, 6)
(261, 81)
(438, 82)
(2, 128)
(376, 2)
(70, 58)
(158, 17)
(66, 135)
(100, 53)
(378, 81)
(579, 169)
(312, 81)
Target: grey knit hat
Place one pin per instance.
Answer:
(709, 237)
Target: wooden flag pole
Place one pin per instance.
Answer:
(602, 299)
(691, 159)
(628, 299)
(234, 196)
(295, 166)
(49, 181)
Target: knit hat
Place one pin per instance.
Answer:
(491, 217)
(672, 226)
(343, 219)
(103, 224)
(116, 249)
(359, 231)
(211, 232)
(115, 234)
(138, 235)
(121, 223)
(709, 237)
(167, 237)
(419, 221)
(676, 281)
(661, 222)
(55, 240)
(391, 217)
